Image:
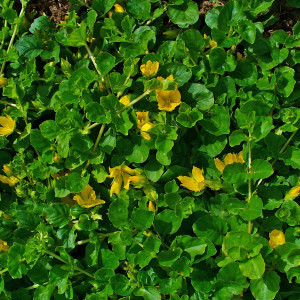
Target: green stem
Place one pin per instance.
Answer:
(7, 103)
(3, 271)
(135, 101)
(99, 137)
(92, 126)
(280, 152)
(35, 286)
(2, 43)
(249, 180)
(67, 263)
(12, 40)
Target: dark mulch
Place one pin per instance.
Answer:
(54, 9)
(287, 17)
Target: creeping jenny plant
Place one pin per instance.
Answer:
(150, 150)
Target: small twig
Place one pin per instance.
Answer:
(135, 101)
(67, 263)
(249, 179)
(280, 152)
(12, 40)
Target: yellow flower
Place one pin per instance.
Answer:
(87, 198)
(143, 124)
(3, 81)
(110, 14)
(230, 158)
(213, 44)
(205, 36)
(144, 130)
(143, 118)
(121, 174)
(150, 68)
(161, 79)
(196, 182)
(8, 125)
(119, 8)
(293, 193)
(3, 246)
(125, 99)
(239, 56)
(139, 181)
(11, 181)
(276, 238)
(168, 100)
(151, 206)
(7, 170)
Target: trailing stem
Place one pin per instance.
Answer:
(249, 180)
(280, 152)
(12, 39)
(67, 263)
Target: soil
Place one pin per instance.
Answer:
(287, 17)
(57, 9)
(205, 6)
(54, 9)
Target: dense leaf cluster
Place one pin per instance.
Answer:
(149, 152)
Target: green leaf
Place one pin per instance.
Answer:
(153, 169)
(237, 137)
(57, 214)
(41, 23)
(108, 259)
(187, 117)
(169, 285)
(142, 219)
(121, 285)
(38, 141)
(235, 173)
(265, 287)
(167, 222)
(285, 81)
(231, 15)
(211, 227)
(247, 30)
(193, 39)
(240, 245)
(103, 6)
(185, 14)
(15, 267)
(58, 275)
(81, 79)
(75, 183)
(118, 213)
(291, 157)
(44, 292)
(29, 46)
(105, 62)
(49, 129)
(180, 72)
(139, 9)
(261, 169)
(253, 268)
(72, 37)
(95, 113)
(203, 98)
(253, 209)
(245, 73)
(150, 293)
(167, 257)
(218, 122)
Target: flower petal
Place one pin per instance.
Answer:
(219, 164)
(198, 174)
(189, 183)
(116, 185)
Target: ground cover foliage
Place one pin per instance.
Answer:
(149, 153)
